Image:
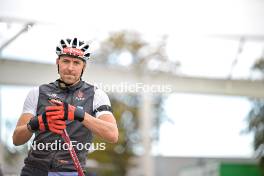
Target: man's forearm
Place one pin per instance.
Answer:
(21, 135)
(106, 130)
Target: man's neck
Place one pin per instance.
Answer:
(69, 85)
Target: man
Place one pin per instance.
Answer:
(82, 109)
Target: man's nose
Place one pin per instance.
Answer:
(70, 66)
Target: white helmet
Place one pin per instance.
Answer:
(73, 47)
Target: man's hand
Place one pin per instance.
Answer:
(48, 121)
(66, 110)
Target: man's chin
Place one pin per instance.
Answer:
(70, 81)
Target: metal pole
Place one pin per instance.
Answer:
(24, 29)
(146, 117)
(1, 99)
(1, 141)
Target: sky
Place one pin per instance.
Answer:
(205, 125)
(202, 35)
(200, 125)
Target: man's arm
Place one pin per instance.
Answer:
(104, 126)
(21, 134)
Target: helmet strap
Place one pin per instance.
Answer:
(63, 85)
(81, 74)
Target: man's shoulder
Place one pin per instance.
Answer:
(34, 89)
(47, 87)
(46, 84)
(95, 87)
(88, 85)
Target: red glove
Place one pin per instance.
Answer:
(66, 110)
(47, 121)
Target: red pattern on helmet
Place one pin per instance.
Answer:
(73, 51)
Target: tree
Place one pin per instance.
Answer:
(141, 56)
(117, 155)
(256, 119)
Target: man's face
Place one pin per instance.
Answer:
(70, 69)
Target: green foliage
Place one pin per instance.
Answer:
(259, 65)
(256, 120)
(117, 155)
(144, 55)
(116, 158)
(256, 123)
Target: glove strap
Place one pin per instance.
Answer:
(79, 114)
(65, 105)
(33, 124)
(45, 121)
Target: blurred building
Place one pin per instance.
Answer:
(167, 166)
(200, 166)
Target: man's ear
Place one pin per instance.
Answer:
(84, 66)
